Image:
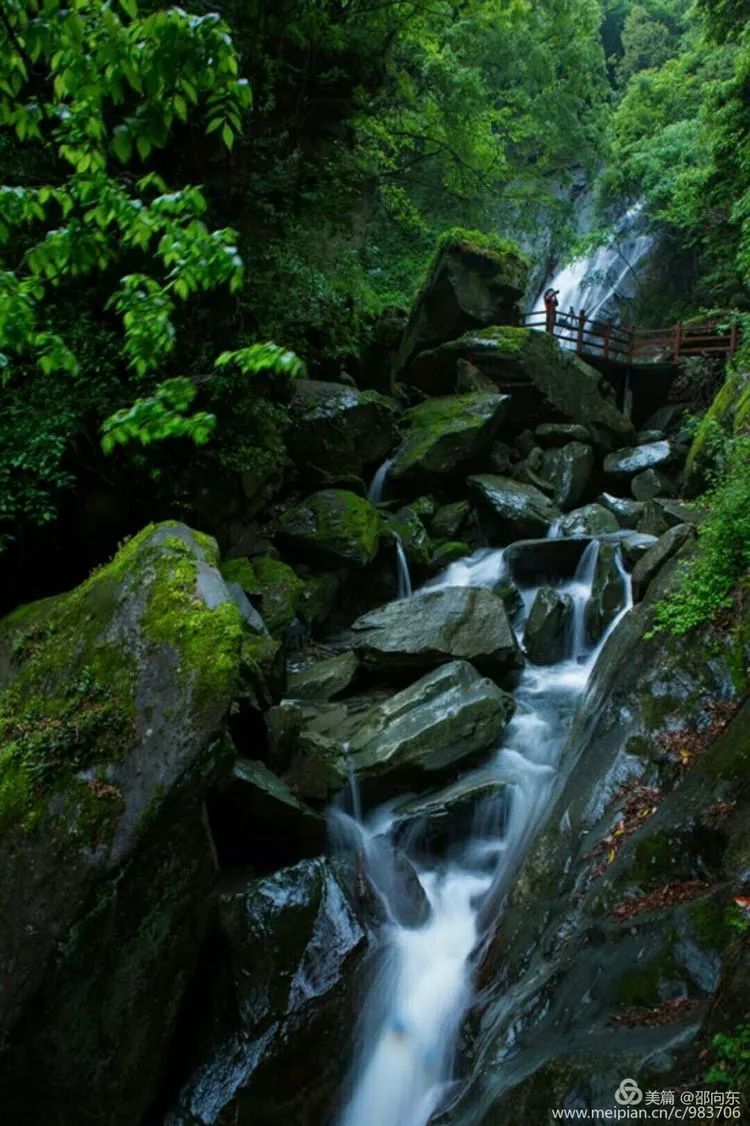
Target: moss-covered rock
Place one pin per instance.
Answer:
(474, 280)
(728, 414)
(333, 527)
(545, 381)
(112, 704)
(338, 428)
(445, 433)
(406, 526)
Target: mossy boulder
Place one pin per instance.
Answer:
(547, 383)
(474, 280)
(276, 586)
(407, 527)
(729, 414)
(445, 433)
(338, 428)
(113, 700)
(333, 527)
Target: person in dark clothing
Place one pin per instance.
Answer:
(550, 305)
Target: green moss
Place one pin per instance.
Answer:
(478, 242)
(729, 413)
(644, 986)
(336, 526)
(240, 571)
(653, 856)
(508, 339)
(709, 922)
(280, 589)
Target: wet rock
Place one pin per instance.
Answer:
(668, 418)
(591, 520)
(470, 378)
(446, 553)
(533, 471)
(568, 470)
(651, 483)
(258, 822)
(560, 433)
(273, 1002)
(626, 463)
(325, 680)
(546, 381)
(469, 285)
(627, 512)
(649, 565)
(114, 699)
(406, 526)
(634, 546)
(273, 584)
(445, 433)
(392, 878)
(607, 592)
(528, 561)
(470, 806)
(517, 509)
(510, 594)
(449, 519)
(501, 458)
(338, 428)
(333, 527)
(660, 514)
(436, 626)
(547, 632)
(646, 437)
(452, 714)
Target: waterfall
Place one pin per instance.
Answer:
(416, 1003)
(402, 566)
(376, 491)
(604, 282)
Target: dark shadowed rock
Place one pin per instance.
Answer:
(436, 626)
(432, 823)
(273, 1003)
(444, 433)
(634, 546)
(333, 527)
(471, 284)
(325, 679)
(652, 483)
(560, 433)
(470, 378)
(518, 509)
(548, 627)
(530, 561)
(449, 519)
(649, 565)
(338, 428)
(568, 471)
(114, 699)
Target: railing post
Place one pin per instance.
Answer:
(733, 339)
(677, 340)
(607, 334)
(581, 323)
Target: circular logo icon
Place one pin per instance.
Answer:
(628, 1093)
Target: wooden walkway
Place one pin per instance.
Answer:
(626, 344)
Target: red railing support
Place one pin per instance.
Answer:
(733, 339)
(581, 324)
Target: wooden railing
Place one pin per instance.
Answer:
(630, 345)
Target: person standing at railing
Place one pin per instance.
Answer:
(550, 305)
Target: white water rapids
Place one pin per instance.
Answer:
(419, 995)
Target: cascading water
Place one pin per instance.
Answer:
(376, 491)
(422, 988)
(402, 565)
(606, 281)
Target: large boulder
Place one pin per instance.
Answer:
(545, 381)
(445, 433)
(113, 700)
(323, 680)
(333, 527)
(652, 561)
(627, 512)
(452, 714)
(568, 471)
(474, 281)
(532, 561)
(547, 634)
(652, 483)
(338, 428)
(517, 509)
(436, 626)
(270, 1017)
(434, 822)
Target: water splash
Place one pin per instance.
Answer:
(402, 567)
